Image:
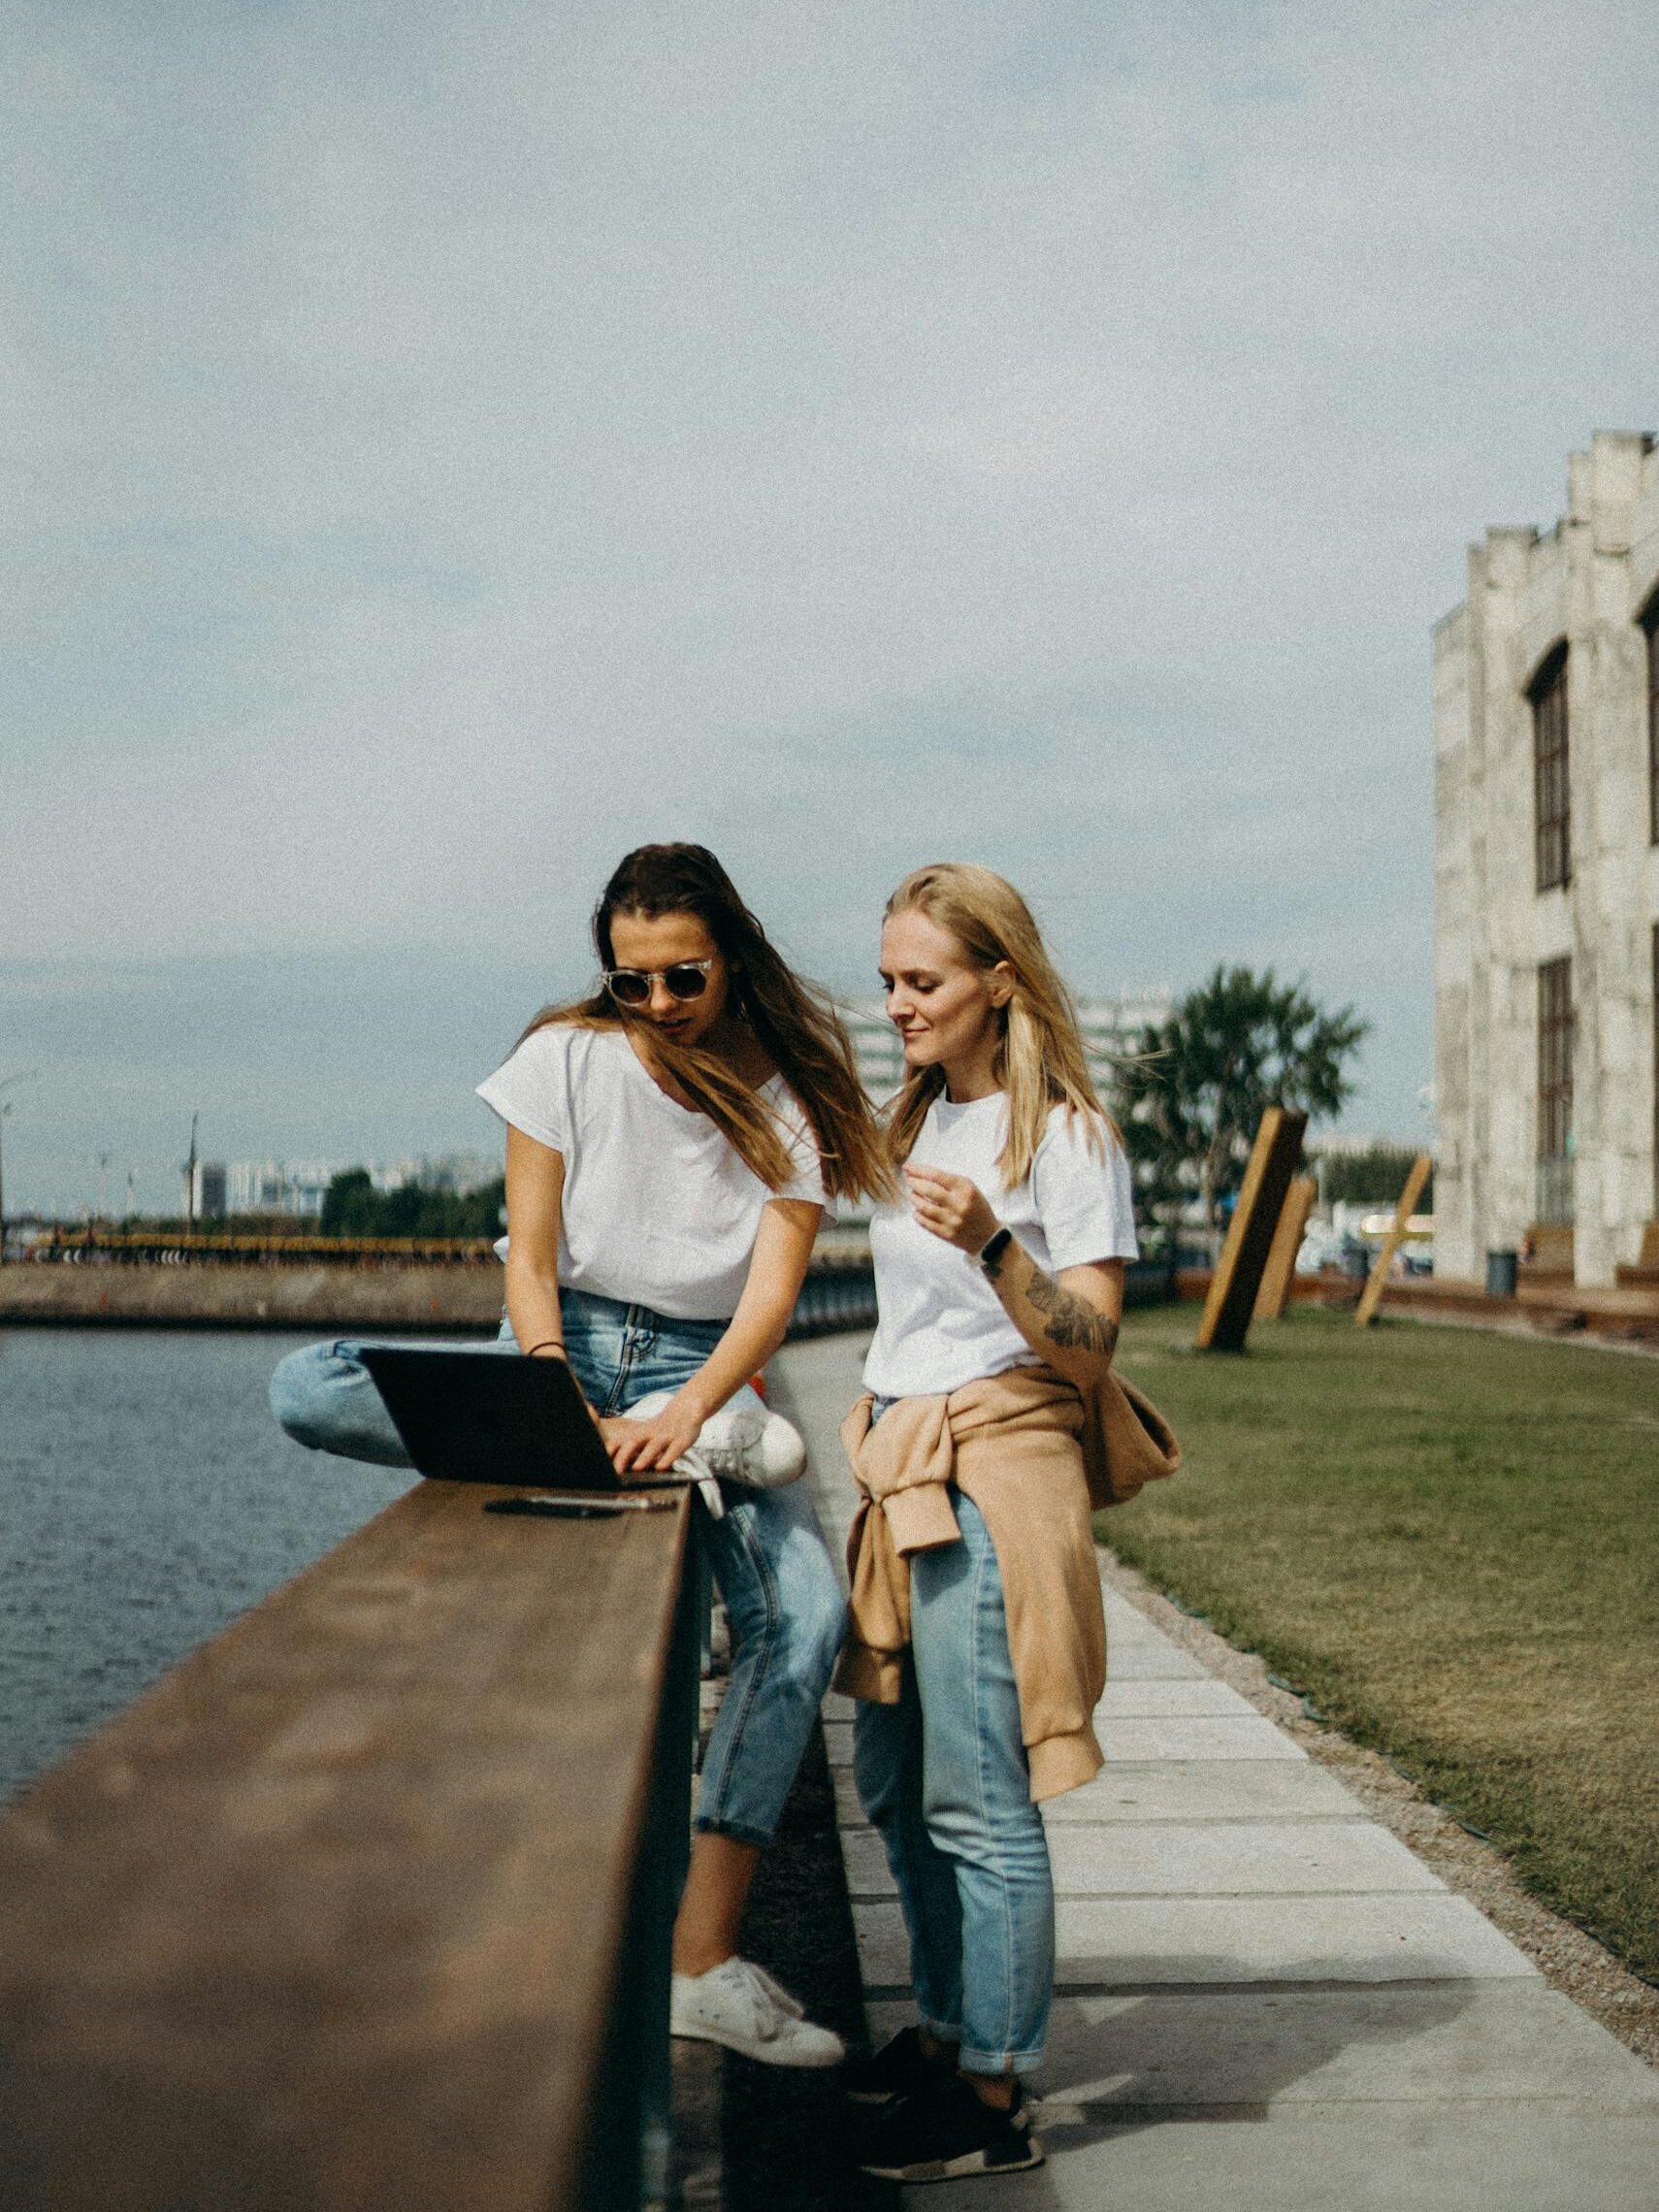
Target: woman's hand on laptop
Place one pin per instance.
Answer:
(643, 1448)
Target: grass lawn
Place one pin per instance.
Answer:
(1451, 1540)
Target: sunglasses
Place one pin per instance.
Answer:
(632, 986)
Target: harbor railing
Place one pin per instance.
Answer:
(366, 1907)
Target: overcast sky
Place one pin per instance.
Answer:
(447, 445)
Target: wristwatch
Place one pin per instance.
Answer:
(994, 1246)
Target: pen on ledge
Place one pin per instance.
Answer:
(547, 1505)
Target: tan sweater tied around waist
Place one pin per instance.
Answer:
(1011, 1444)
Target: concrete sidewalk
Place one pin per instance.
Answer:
(1267, 2003)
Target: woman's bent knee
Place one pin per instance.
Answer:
(324, 1398)
(299, 1393)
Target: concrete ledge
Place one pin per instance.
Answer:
(463, 1297)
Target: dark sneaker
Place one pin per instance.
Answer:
(900, 2068)
(948, 2133)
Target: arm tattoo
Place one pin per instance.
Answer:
(1072, 1323)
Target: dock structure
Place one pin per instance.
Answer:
(1264, 1999)
(366, 1907)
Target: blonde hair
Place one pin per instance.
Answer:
(795, 1023)
(1040, 1059)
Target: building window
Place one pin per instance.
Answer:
(1650, 624)
(1548, 692)
(1556, 1091)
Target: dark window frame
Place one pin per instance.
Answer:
(1555, 1057)
(1552, 837)
(1647, 620)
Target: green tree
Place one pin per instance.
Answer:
(1190, 1102)
(1374, 1176)
(353, 1208)
(349, 1206)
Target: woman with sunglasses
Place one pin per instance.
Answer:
(671, 1143)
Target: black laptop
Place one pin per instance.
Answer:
(486, 1416)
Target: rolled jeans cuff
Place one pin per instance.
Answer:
(999, 2063)
(738, 1831)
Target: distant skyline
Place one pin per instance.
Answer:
(451, 444)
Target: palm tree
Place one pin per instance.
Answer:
(1190, 1103)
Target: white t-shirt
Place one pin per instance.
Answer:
(658, 1209)
(941, 1322)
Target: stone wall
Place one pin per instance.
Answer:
(405, 1299)
(1586, 583)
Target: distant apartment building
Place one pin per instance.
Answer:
(1111, 1030)
(298, 1189)
(459, 1172)
(1547, 880)
(295, 1188)
(209, 1190)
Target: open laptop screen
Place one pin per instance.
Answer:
(491, 1417)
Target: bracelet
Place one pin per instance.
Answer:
(548, 1344)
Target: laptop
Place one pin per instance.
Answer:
(483, 1416)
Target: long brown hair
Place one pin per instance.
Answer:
(1040, 1059)
(796, 1024)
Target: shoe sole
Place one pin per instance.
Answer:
(765, 2054)
(968, 2167)
(879, 2096)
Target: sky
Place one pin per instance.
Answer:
(450, 444)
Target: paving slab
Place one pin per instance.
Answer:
(1245, 1736)
(1217, 1738)
(1458, 2156)
(1148, 1699)
(1206, 1790)
(1199, 1793)
(1127, 1624)
(1147, 1662)
(1250, 2051)
(1222, 1859)
(1134, 1942)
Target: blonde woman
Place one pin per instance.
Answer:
(671, 1143)
(978, 1644)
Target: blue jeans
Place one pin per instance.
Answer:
(768, 1553)
(943, 1776)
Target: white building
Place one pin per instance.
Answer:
(296, 1188)
(299, 1187)
(1111, 1030)
(459, 1172)
(1546, 878)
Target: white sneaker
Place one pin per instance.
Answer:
(740, 1444)
(752, 1445)
(738, 2003)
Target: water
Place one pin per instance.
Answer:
(146, 1498)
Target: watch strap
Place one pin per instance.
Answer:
(994, 1246)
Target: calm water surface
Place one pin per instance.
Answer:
(146, 1498)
